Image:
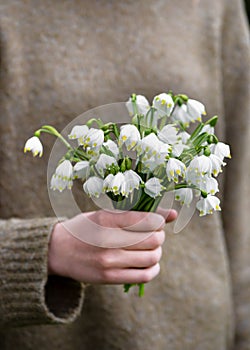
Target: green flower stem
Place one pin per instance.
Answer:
(52, 131)
(196, 131)
(147, 204)
(141, 289)
(99, 122)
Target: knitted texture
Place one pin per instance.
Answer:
(26, 294)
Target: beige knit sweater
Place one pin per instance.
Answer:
(58, 59)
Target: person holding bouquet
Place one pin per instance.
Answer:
(59, 59)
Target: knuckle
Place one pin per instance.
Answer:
(146, 276)
(105, 259)
(155, 256)
(150, 273)
(105, 275)
(157, 238)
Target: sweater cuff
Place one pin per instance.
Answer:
(27, 294)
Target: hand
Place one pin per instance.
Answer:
(136, 263)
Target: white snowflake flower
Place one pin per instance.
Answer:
(104, 162)
(141, 103)
(195, 109)
(180, 115)
(60, 184)
(217, 163)
(129, 136)
(208, 184)
(153, 187)
(164, 105)
(79, 132)
(184, 136)
(177, 149)
(117, 184)
(208, 205)
(64, 170)
(107, 183)
(184, 195)
(132, 181)
(221, 150)
(112, 147)
(93, 186)
(168, 134)
(34, 145)
(81, 170)
(174, 169)
(94, 139)
(149, 146)
(63, 176)
(201, 165)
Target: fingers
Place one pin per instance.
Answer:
(72, 258)
(128, 220)
(155, 240)
(120, 276)
(168, 214)
(120, 258)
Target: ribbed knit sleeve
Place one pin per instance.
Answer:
(236, 208)
(27, 295)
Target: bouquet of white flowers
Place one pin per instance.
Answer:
(134, 164)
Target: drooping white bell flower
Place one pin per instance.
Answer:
(180, 115)
(164, 105)
(201, 165)
(104, 162)
(60, 184)
(168, 134)
(112, 147)
(217, 163)
(208, 205)
(117, 184)
(149, 165)
(174, 169)
(132, 181)
(142, 105)
(208, 184)
(34, 145)
(184, 136)
(94, 138)
(129, 136)
(184, 195)
(153, 187)
(149, 146)
(195, 109)
(221, 150)
(177, 149)
(63, 176)
(64, 170)
(93, 186)
(79, 132)
(81, 169)
(153, 151)
(107, 182)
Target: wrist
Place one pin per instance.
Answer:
(54, 252)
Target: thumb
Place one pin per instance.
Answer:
(168, 214)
